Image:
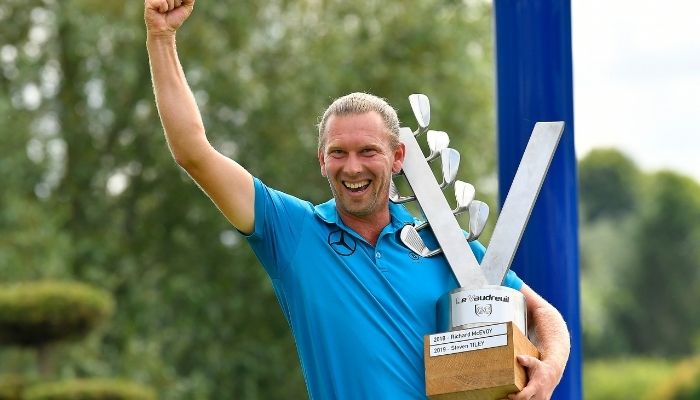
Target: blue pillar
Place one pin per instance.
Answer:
(534, 83)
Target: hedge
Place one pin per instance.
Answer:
(683, 384)
(89, 389)
(36, 313)
(11, 387)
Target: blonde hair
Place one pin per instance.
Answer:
(360, 103)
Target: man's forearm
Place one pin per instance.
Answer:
(551, 336)
(177, 108)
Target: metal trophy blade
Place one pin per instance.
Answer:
(521, 200)
(438, 212)
(482, 322)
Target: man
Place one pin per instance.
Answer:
(358, 302)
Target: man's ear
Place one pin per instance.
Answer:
(399, 155)
(322, 162)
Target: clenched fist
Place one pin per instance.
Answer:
(165, 16)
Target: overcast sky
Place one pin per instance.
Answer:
(637, 80)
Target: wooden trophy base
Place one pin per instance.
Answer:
(481, 374)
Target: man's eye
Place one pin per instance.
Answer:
(369, 152)
(337, 153)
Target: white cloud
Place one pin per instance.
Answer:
(637, 80)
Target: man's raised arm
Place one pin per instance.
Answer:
(228, 184)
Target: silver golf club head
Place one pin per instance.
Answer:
(411, 239)
(421, 109)
(464, 194)
(395, 197)
(437, 141)
(478, 215)
(422, 225)
(450, 164)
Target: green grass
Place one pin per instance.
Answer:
(90, 389)
(624, 378)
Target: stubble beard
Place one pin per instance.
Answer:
(368, 206)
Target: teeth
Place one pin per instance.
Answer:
(356, 185)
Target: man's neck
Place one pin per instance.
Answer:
(368, 227)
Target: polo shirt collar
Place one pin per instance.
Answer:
(399, 214)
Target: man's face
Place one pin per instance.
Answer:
(358, 161)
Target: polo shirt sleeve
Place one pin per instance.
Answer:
(512, 280)
(278, 217)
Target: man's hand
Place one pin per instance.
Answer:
(543, 378)
(552, 340)
(164, 17)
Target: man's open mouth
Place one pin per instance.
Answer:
(357, 186)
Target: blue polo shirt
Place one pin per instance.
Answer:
(358, 313)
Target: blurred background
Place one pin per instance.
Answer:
(173, 302)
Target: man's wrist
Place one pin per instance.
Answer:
(557, 363)
(162, 37)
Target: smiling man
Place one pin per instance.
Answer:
(357, 301)
(359, 150)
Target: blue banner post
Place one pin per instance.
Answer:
(534, 83)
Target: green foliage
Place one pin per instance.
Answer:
(621, 379)
(36, 313)
(639, 265)
(682, 384)
(605, 253)
(89, 389)
(91, 193)
(665, 271)
(11, 387)
(609, 183)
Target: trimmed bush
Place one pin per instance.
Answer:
(11, 387)
(684, 383)
(36, 313)
(89, 389)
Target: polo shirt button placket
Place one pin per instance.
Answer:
(378, 261)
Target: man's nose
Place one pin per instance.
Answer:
(353, 164)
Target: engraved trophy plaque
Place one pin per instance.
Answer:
(482, 325)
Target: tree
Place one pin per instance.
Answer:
(95, 196)
(639, 264)
(609, 184)
(664, 277)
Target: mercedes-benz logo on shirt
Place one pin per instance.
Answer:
(342, 243)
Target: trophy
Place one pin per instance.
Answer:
(482, 326)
